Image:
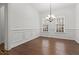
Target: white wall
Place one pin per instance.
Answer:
(23, 24)
(69, 13)
(77, 23)
(1, 24)
(0, 27)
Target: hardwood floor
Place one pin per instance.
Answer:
(2, 51)
(47, 46)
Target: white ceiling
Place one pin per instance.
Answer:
(45, 6)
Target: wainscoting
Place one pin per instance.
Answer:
(20, 36)
(67, 34)
(47, 46)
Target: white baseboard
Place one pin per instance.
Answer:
(15, 44)
(77, 41)
(59, 37)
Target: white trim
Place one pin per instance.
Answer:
(21, 42)
(58, 37)
(77, 41)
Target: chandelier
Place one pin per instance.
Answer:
(50, 17)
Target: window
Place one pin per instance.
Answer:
(45, 27)
(60, 24)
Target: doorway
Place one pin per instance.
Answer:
(3, 28)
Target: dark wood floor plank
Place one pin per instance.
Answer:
(47, 46)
